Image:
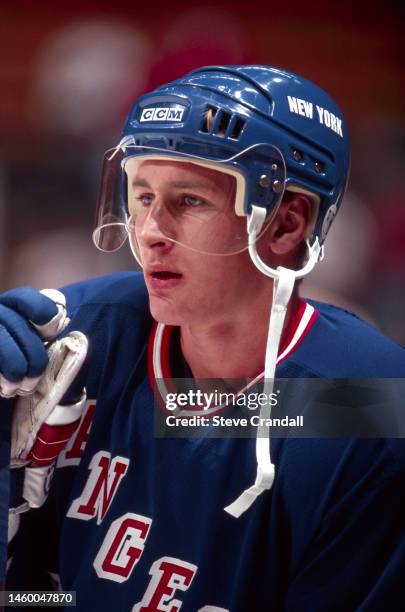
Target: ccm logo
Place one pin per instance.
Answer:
(162, 114)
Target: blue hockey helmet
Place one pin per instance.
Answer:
(272, 127)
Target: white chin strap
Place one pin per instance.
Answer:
(284, 280)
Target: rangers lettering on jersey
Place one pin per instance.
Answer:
(122, 547)
(76, 445)
(101, 487)
(168, 576)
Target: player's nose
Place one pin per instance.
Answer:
(156, 228)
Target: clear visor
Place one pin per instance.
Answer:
(156, 196)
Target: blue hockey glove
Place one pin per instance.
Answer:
(27, 317)
(42, 373)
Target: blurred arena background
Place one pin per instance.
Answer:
(69, 71)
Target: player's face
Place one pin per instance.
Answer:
(185, 212)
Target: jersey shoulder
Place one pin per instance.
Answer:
(113, 312)
(126, 289)
(340, 345)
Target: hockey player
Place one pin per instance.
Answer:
(226, 182)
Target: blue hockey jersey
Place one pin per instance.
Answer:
(137, 523)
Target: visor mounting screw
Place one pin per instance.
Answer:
(297, 155)
(274, 167)
(318, 166)
(277, 186)
(264, 181)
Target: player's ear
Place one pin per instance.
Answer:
(289, 226)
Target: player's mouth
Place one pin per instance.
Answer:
(163, 278)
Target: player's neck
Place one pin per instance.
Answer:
(233, 348)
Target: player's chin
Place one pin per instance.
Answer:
(164, 310)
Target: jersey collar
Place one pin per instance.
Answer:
(160, 338)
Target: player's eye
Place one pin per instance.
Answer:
(192, 201)
(144, 199)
